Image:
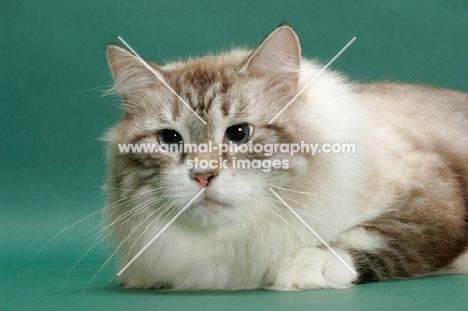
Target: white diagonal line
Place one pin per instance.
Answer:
(161, 79)
(311, 81)
(315, 233)
(160, 232)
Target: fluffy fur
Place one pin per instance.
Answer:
(396, 208)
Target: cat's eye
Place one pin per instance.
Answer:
(239, 133)
(170, 138)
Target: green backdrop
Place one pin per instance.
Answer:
(52, 74)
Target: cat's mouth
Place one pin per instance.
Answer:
(211, 204)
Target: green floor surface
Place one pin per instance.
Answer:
(36, 287)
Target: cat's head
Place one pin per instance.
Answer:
(229, 99)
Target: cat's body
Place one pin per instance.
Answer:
(396, 208)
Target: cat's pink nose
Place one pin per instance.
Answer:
(203, 179)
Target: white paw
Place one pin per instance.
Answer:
(313, 268)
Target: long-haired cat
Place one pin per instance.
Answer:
(395, 208)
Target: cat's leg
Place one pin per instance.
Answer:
(379, 250)
(311, 268)
(405, 250)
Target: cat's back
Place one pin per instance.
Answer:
(418, 142)
(414, 101)
(433, 116)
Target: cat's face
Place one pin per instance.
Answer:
(236, 95)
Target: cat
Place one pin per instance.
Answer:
(395, 208)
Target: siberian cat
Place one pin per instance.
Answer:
(396, 207)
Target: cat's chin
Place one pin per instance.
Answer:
(211, 206)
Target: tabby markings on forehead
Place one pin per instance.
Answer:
(161, 79)
(204, 90)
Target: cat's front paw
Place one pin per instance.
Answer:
(312, 268)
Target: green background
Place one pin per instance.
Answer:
(52, 74)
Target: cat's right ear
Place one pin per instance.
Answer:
(129, 72)
(278, 58)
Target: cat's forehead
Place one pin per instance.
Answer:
(201, 75)
(209, 85)
(210, 62)
(214, 87)
(203, 80)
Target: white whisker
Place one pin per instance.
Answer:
(116, 250)
(129, 214)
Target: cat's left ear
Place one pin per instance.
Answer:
(278, 57)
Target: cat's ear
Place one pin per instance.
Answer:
(278, 57)
(129, 72)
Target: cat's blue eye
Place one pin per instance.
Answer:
(170, 138)
(239, 133)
